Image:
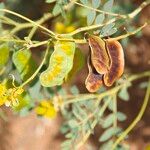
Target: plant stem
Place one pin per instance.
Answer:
(101, 11)
(81, 41)
(115, 110)
(27, 19)
(128, 16)
(136, 120)
(83, 97)
(101, 111)
(128, 34)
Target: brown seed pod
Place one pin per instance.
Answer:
(94, 79)
(116, 55)
(99, 55)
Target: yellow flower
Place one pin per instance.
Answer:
(46, 109)
(69, 29)
(2, 94)
(61, 28)
(9, 97)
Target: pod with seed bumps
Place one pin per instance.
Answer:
(116, 54)
(94, 80)
(99, 54)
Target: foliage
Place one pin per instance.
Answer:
(48, 93)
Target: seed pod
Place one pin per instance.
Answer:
(99, 54)
(94, 79)
(116, 55)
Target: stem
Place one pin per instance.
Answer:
(83, 97)
(128, 34)
(101, 111)
(139, 9)
(12, 40)
(38, 44)
(41, 21)
(8, 20)
(136, 120)
(128, 16)
(38, 69)
(101, 11)
(27, 19)
(115, 110)
(47, 17)
(80, 41)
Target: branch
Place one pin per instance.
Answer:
(100, 11)
(38, 69)
(128, 34)
(136, 120)
(83, 97)
(27, 19)
(128, 16)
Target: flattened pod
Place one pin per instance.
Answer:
(94, 79)
(116, 55)
(60, 64)
(99, 54)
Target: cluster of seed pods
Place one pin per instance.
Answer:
(105, 63)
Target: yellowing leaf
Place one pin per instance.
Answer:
(60, 64)
(24, 63)
(4, 54)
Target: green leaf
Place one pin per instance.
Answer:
(108, 121)
(110, 106)
(108, 5)
(2, 6)
(143, 85)
(24, 102)
(50, 1)
(73, 123)
(85, 2)
(108, 30)
(4, 54)
(91, 17)
(74, 90)
(99, 19)
(123, 94)
(60, 64)
(109, 133)
(96, 3)
(121, 116)
(35, 92)
(24, 63)
(56, 9)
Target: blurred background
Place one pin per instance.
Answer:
(33, 133)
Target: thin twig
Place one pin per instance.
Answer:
(136, 120)
(101, 11)
(38, 69)
(83, 97)
(128, 16)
